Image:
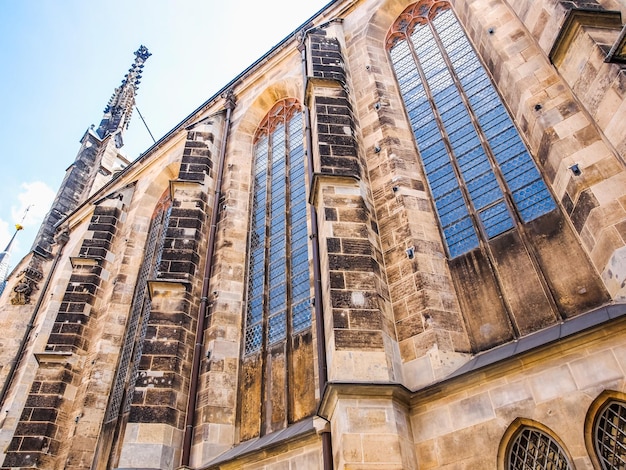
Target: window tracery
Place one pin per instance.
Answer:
(481, 176)
(278, 286)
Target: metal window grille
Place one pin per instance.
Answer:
(534, 450)
(138, 320)
(610, 436)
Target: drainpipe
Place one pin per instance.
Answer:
(62, 239)
(208, 270)
(327, 451)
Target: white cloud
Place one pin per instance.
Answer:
(38, 196)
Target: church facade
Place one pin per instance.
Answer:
(396, 241)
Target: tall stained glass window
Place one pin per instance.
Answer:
(481, 176)
(278, 286)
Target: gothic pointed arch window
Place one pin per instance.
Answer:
(481, 176)
(609, 435)
(533, 449)
(121, 397)
(279, 284)
(277, 372)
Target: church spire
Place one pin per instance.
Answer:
(98, 156)
(6, 254)
(120, 107)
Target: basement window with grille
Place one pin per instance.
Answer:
(532, 449)
(482, 179)
(278, 279)
(610, 436)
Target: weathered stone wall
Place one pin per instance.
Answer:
(61, 401)
(426, 311)
(156, 422)
(571, 114)
(466, 420)
(356, 315)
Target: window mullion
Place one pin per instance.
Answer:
(483, 142)
(445, 138)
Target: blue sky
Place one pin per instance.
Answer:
(61, 60)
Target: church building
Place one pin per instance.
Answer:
(395, 241)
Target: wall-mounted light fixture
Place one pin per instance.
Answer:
(575, 169)
(410, 252)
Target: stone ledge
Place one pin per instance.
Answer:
(182, 184)
(77, 261)
(170, 285)
(574, 21)
(319, 178)
(293, 432)
(54, 357)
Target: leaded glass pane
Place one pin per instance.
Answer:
(468, 113)
(535, 450)
(610, 436)
(277, 328)
(279, 266)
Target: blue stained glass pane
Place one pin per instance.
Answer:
(453, 214)
(537, 205)
(486, 198)
(529, 177)
(256, 304)
(253, 315)
(491, 129)
(277, 328)
(473, 168)
(534, 193)
(256, 291)
(277, 297)
(433, 164)
(463, 243)
(299, 231)
(277, 273)
(256, 280)
(482, 184)
(301, 316)
(496, 219)
(301, 292)
(505, 154)
(444, 185)
(522, 173)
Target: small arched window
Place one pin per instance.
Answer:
(532, 449)
(610, 435)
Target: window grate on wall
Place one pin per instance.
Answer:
(278, 278)
(534, 450)
(139, 313)
(610, 436)
(479, 171)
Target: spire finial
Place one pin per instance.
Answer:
(120, 107)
